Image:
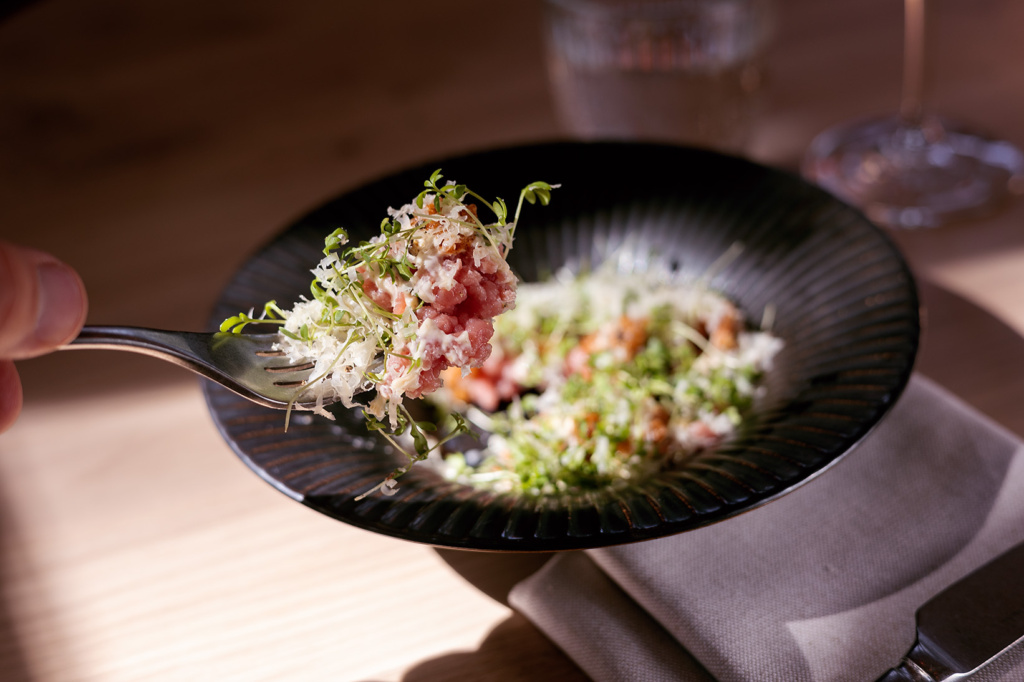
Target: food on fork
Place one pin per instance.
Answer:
(421, 296)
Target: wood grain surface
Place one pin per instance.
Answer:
(155, 145)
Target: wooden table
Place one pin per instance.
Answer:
(155, 145)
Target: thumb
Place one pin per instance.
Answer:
(42, 302)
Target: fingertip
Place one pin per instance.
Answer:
(43, 303)
(62, 304)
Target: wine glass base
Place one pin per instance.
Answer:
(906, 176)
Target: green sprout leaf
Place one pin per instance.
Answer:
(335, 240)
(538, 191)
(500, 210)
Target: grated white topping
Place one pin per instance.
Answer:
(348, 355)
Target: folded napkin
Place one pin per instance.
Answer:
(821, 584)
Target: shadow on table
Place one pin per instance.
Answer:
(514, 650)
(985, 351)
(494, 573)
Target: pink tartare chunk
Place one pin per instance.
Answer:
(462, 283)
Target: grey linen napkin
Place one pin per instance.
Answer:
(821, 584)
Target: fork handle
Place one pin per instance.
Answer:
(185, 349)
(166, 345)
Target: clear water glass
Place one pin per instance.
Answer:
(681, 71)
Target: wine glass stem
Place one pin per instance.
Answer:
(911, 106)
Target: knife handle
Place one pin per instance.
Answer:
(906, 671)
(921, 664)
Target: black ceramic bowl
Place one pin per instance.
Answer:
(845, 305)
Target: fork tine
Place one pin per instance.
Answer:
(281, 369)
(290, 384)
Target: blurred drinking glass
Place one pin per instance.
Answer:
(684, 71)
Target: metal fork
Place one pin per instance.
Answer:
(244, 363)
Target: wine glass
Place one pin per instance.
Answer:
(914, 169)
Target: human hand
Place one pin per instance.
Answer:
(42, 307)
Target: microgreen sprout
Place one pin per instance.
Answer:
(272, 314)
(422, 446)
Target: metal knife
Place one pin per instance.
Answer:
(968, 624)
